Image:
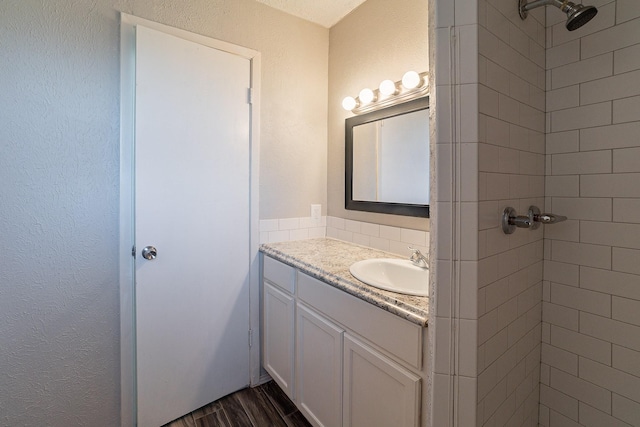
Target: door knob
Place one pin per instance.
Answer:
(149, 252)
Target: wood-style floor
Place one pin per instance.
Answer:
(262, 406)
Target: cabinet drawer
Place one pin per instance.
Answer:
(279, 274)
(396, 336)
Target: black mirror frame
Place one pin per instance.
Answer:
(379, 207)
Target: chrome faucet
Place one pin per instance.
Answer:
(418, 259)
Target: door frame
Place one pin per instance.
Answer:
(128, 24)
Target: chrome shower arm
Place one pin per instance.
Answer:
(577, 14)
(537, 3)
(526, 7)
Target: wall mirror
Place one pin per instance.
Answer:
(387, 160)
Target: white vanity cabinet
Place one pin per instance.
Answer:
(355, 364)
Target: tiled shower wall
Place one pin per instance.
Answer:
(511, 100)
(490, 94)
(591, 310)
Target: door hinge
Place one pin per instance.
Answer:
(250, 338)
(133, 251)
(250, 95)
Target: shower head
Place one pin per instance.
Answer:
(577, 14)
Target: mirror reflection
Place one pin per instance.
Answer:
(387, 160)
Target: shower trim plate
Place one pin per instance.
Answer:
(523, 12)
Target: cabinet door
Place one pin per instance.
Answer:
(377, 391)
(319, 369)
(278, 337)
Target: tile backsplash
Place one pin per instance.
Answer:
(391, 239)
(286, 229)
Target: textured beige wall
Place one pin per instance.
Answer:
(381, 39)
(59, 145)
(294, 91)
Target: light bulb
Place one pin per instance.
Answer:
(411, 80)
(366, 96)
(349, 103)
(387, 87)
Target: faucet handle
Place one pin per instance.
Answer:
(418, 258)
(415, 251)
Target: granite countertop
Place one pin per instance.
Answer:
(328, 260)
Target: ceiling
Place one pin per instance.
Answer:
(323, 12)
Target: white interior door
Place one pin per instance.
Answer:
(192, 203)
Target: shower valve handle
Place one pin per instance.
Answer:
(546, 218)
(533, 219)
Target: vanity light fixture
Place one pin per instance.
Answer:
(413, 85)
(411, 80)
(387, 88)
(349, 103)
(366, 96)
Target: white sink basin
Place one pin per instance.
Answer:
(397, 275)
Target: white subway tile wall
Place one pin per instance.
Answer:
(458, 19)
(511, 147)
(490, 153)
(591, 321)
